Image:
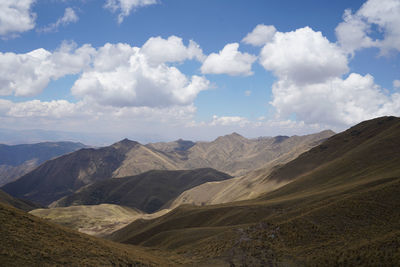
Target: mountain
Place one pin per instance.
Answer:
(17, 203)
(26, 240)
(237, 155)
(97, 220)
(64, 175)
(147, 192)
(232, 154)
(340, 206)
(17, 160)
(253, 183)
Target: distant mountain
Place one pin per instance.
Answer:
(340, 206)
(64, 175)
(232, 154)
(17, 160)
(147, 192)
(253, 183)
(26, 240)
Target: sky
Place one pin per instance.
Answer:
(159, 70)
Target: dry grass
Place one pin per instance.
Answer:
(342, 208)
(26, 240)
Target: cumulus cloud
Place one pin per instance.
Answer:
(159, 50)
(229, 61)
(68, 18)
(311, 85)
(374, 17)
(126, 6)
(28, 74)
(122, 76)
(261, 35)
(16, 17)
(37, 108)
(337, 102)
(112, 123)
(114, 74)
(303, 56)
(229, 121)
(396, 83)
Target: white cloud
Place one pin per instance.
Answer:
(229, 121)
(261, 35)
(335, 102)
(396, 83)
(68, 18)
(113, 123)
(310, 85)
(159, 50)
(126, 6)
(357, 29)
(115, 74)
(16, 17)
(303, 56)
(122, 76)
(229, 61)
(37, 108)
(28, 74)
(247, 93)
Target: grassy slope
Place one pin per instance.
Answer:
(62, 176)
(147, 191)
(343, 207)
(17, 203)
(95, 220)
(26, 240)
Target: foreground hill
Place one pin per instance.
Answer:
(17, 160)
(341, 206)
(26, 240)
(147, 192)
(232, 154)
(17, 203)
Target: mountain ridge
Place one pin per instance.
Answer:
(342, 212)
(17, 160)
(233, 154)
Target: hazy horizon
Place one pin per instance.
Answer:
(160, 70)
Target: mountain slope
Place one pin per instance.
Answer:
(17, 203)
(254, 183)
(17, 160)
(340, 207)
(232, 153)
(66, 174)
(148, 191)
(26, 240)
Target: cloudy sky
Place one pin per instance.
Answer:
(156, 70)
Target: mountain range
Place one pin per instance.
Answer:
(327, 200)
(232, 154)
(339, 207)
(17, 160)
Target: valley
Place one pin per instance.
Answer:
(334, 203)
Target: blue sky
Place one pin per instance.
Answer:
(155, 70)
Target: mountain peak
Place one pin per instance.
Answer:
(125, 143)
(231, 137)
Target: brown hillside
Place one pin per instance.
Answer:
(26, 240)
(341, 209)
